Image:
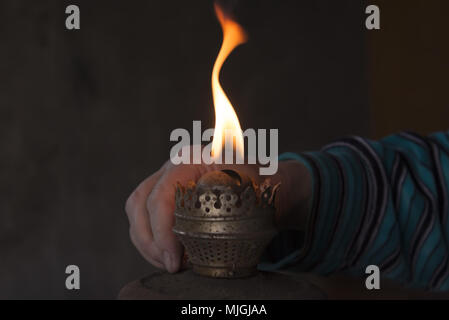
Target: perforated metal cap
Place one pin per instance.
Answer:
(225, 221)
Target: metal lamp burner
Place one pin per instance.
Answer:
(225, 221)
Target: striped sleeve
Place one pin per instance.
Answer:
(383, 203)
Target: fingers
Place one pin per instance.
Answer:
(140, 229)
(145, 249)
(161, 206)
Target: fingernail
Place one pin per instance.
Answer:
(168, 262)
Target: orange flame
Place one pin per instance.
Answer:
(226, 120)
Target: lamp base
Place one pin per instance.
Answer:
(187, 285)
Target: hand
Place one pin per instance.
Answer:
(151, 206)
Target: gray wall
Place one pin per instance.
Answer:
(86, 115)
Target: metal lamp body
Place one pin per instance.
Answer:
(224, 223)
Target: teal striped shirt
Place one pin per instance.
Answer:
(374, 202)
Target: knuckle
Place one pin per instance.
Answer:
(131, 202)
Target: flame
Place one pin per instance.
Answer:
(226, 120)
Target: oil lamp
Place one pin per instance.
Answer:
(225, 221)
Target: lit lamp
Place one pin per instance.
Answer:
(224, 222)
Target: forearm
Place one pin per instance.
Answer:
(382, 203)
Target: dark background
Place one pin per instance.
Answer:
(86, 115)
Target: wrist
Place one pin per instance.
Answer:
(295, 194)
